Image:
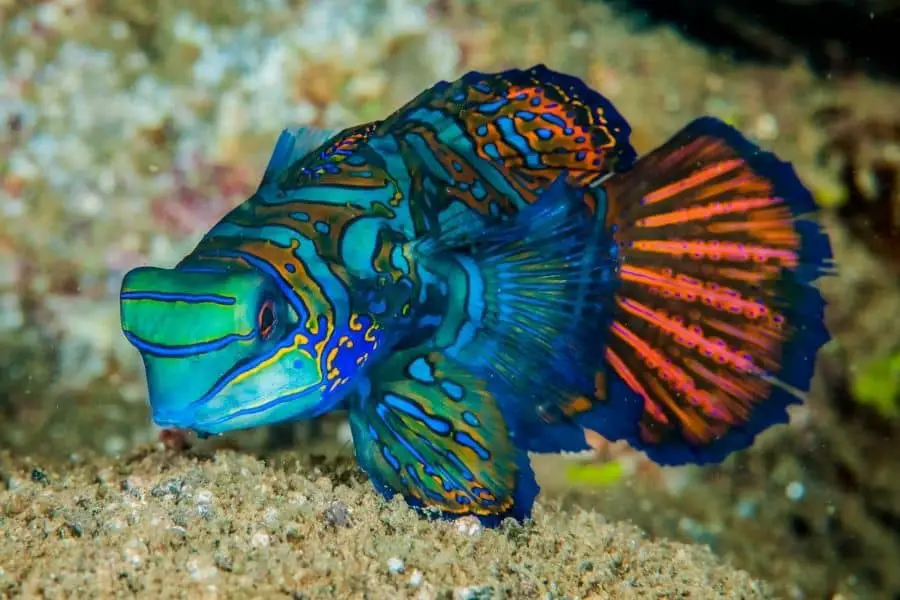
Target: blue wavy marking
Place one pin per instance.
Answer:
(525, 115)
(182, 268)
(179, 297)
(553, 119)
(411, 471)
(490, 108)
(515, 139)
(389, 457)
(448, 132)
(453, 390)
(331, 193)
(310, 412)
(464, 439)
(452, 457)
(407, 406)
(471, 419)
(420, 370)
(181, 351)
(480, 492)
(275, 276)
(334, 291)
(240, 368)
(448, 480)
(426, 154)
(383, 413)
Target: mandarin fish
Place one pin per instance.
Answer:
(488, 272)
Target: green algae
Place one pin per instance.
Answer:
(595, 474)
(877, 385)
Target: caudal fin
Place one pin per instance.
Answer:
(716, 324)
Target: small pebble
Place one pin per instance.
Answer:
(39, 476)
(344, 434)
(203, 497)
(480, 592)
(134, 551)
(270, 516)
(114, 445)
(395, 565)
(337, 514)
(200, 570)
(766, 127)
(416, 578)
(178, 531)
(115, 524)
(469, 526)
(579, 39)
(745, 508)
(795, 491)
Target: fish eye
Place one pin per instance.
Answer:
(267, 319)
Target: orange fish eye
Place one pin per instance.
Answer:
(266, 319)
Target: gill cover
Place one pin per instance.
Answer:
(218, 349)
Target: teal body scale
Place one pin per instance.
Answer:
(487, 272)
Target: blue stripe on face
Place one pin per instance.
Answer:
(275, 276)
(187, 349)
(262, 408)
(179, 297)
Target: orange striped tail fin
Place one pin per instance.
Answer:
(717, 323)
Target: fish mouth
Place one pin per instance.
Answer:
(215, 415)
(193, 418)
(174, 419)
(189, 420)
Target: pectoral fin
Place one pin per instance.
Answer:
(433, 432)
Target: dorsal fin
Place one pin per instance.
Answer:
(292, 145)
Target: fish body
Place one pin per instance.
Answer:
(491, 271)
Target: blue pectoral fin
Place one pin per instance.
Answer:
(545, 279)
(432, 432)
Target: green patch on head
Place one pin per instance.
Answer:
(221, 349)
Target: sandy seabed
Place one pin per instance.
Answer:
(155, 524)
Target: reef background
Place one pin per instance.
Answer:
(127, 128)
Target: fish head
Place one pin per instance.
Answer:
(222, 350)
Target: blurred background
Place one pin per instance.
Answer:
(128, 127)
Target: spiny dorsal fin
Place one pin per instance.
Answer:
(292, 145)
